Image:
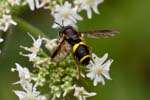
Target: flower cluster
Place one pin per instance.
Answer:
(51, 80)
(61, 10)
(5, 16)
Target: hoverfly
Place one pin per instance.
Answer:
(72, 40)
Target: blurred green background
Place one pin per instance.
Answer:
(130, 49)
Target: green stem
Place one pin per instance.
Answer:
(43, 53)
(28, 27)
(61, 2)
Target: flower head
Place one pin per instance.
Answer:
(67, 14)
(88, 5)
(82, 94)
(98, 69)
(5, 22)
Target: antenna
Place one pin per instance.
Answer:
(58, 24)
(61, 23)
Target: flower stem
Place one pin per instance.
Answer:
(28, 27)
(61, 1)
(43, 53)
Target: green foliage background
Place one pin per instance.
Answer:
(130, 49)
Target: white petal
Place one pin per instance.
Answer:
(31, 56)
(106, 74)
(91, 75)
(89, 13)
(19, 68)
(99, 61)
(23, 72)
(21, 95)
(31, 4)
(31, 36)
(101, 79)
(37, 43)
(38, 5)
(106, 66)
(91, 94)
(78, 17)
(13, 22)
(95, 9)
(95, 82)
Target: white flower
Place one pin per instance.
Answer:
(82, 94)
(88, 5)
(5, 22)
(51, 44)
(29, 93)
(24, 74)
(98, 69)
(34, 49)
(67, 14)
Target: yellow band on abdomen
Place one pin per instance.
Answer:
(77, 45)
(84, 57)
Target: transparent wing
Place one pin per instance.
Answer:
(99, 33)
(61, 51)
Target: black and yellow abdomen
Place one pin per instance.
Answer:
(81, 52)
(80, 49)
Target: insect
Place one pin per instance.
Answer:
(72, 40)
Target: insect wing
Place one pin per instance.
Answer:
(61, 51)
(99, 33)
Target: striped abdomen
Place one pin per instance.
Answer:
(81, 52)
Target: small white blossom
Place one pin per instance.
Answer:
(24, 74)
(82, 94)
(67, 14)
(5, 22)
(67, 87)
(34, 49)
(29, 93)
(88, 5)
(98, 69)
(56, 91)
(51, 44)
(39, 80)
